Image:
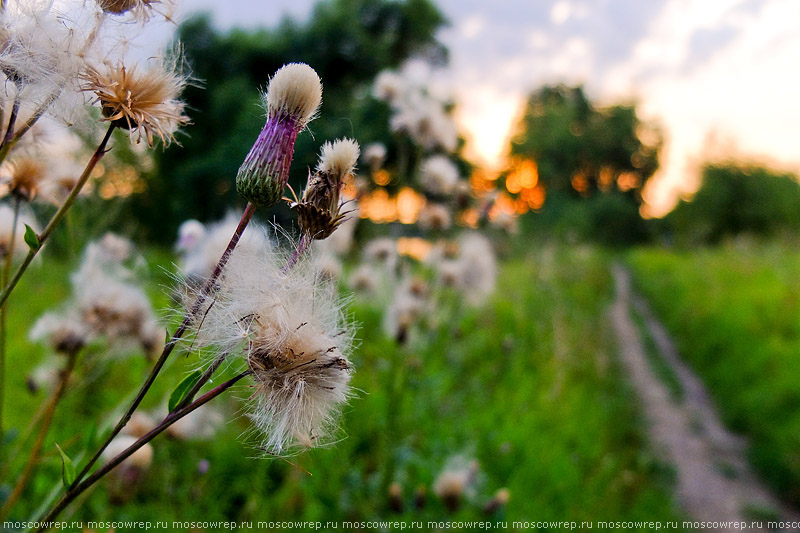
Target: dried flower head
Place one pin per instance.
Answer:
(23, 177)
(65, 333)
(457, 478)
(289, 326)
(292, 99)
(375, 155)
(434, 217)
(319, 210)
(140, 9)
(145, 102)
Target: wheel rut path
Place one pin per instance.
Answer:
(714, 481)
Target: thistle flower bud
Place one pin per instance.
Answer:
(292, 98)
(319, 211)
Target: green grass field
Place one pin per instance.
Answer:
(528, 387)
(734, 313)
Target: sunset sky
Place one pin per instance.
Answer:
(721, 76)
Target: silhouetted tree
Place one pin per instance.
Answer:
(737, 199)
(586, 152)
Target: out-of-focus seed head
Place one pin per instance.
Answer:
(23, 178)
(292, 99)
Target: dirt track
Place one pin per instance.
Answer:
(714, 480)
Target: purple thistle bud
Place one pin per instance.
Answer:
(293, 96)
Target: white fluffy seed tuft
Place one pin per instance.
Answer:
(288, 325)
(339, 158)
(296, 90)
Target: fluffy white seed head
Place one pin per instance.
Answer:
(434, 217)
(407, 306)
(375, 155)
(64, 333)
(294, 90)
(456, 480)
(382, 251)
(106, 302)
(203, 247)
(289, 327)
(366, 279)
(190, 234)
(438, 175)
(139, 425)
(478, 268)
(339, 157)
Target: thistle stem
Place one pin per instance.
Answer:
(59, 215)
(170, 419)
(204, 378)
(173, 341)
(12, 120)
(33, 457)
(3, 312)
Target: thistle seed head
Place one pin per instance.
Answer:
(319, 211)
(145, 102)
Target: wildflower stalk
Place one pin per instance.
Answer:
(59, 215)
(170, 419)
(205, 377)
(4, 278)
(33, 457)
(12, 121)
(9, 143)
(173, 341)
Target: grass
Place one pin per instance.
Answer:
(528, 386)
(734, 313)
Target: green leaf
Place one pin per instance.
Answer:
(67, 468)
(31, 239)
(182, 389)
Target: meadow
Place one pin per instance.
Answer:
(732, 310)
(526, 390)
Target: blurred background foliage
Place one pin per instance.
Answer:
(346, 41)
(576, 170)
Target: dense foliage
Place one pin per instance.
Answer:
(593, 162)
(735, 199)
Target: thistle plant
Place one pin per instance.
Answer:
(271, 313)
(46, 53)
